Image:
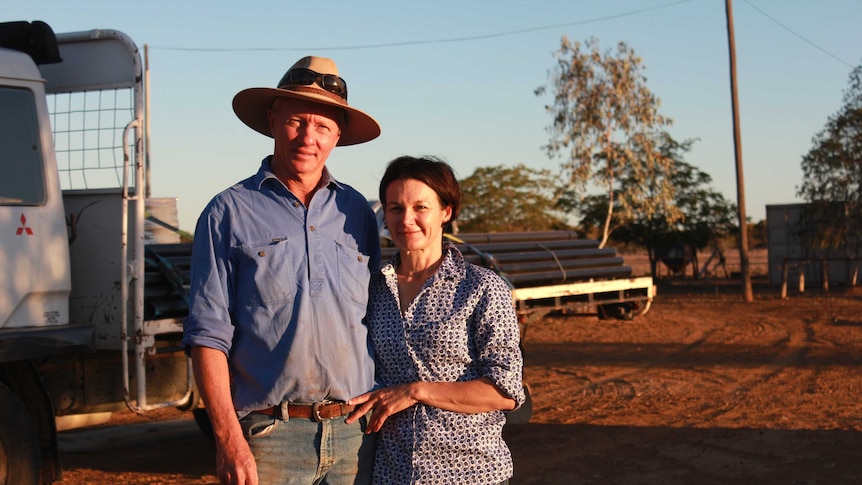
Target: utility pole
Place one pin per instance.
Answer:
(147, 117)
(745, 268)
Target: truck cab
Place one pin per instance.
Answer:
(34, 292)
(91, 306)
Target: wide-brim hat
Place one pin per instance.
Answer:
(251, 105)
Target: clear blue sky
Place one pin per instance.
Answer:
(455, 78)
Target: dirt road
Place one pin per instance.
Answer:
(704, 389)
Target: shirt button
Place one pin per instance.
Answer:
(311, 228)
(261, 253)
(296, 203)
(359, 258)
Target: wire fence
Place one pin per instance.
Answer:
(88, 136)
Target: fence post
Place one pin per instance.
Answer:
(854, 271)
(824, 274)
(802, 281)
(784, 279)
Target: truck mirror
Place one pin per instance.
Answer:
(35, 39)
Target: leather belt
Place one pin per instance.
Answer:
(317, 412)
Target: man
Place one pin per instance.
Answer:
(280, 271)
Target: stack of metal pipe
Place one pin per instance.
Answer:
(524, 259)
(528, 259)
(166, 280)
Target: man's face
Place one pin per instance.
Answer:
(304, 134)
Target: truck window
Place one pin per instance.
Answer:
(22, 182)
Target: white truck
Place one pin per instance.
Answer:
(90, 309)
(92, 299)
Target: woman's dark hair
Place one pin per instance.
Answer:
(431, 171)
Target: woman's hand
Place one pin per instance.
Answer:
(476, 396)
(384, 403)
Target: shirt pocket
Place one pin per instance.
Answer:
(265, 273)
(353, 273)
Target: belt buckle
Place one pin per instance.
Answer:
(315, 412)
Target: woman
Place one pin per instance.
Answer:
(446, 342)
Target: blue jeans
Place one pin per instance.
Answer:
(303, 452)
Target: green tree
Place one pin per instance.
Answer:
(605, 119)
(693, 218)
(757, 234)
(505, 199)
(709, 216)
(832, 176)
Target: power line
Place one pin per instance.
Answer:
(812, 44)
(427, 41)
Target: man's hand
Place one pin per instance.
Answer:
(235, 464)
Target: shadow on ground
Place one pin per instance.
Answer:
(586, 454)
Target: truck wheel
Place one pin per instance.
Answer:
(19, 448)
(618, 311)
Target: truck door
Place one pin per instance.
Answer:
(34, 256)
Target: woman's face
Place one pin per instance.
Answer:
(414, 215)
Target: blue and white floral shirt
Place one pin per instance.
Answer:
(461, 326)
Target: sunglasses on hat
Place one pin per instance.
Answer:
(301, 76)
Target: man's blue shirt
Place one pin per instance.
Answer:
(282, 290)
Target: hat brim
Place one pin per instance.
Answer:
(251, 105)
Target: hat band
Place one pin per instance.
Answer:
(321, 92)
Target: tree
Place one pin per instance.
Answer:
(605, 119)
(832, 176)
(694, 218)
(502, 199)
(757, 234)
(709, 217)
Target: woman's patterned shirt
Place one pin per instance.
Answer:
(461, 326)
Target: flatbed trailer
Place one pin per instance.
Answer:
(547, 272)
(557, 271)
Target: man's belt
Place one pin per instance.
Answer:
(319, 411)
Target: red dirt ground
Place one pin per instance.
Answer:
(704, 389)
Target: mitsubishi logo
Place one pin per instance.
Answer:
(24, 229)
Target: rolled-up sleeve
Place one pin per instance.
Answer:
(208, 323)
(498, 338)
